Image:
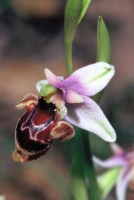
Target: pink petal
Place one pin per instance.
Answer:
(52, 78)
(73, 97)
(116, 149)
(111, 162)
(90, 117)
(122, 183)
(91, 79)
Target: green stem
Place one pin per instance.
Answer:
(91, 174)
(68, 53)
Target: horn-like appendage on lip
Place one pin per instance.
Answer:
(28, 103)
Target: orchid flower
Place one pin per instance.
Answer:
(61, 104)
(79, 109)
(124, 160)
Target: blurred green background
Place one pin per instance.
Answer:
(31, 38)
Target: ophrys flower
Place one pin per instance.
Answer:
(62, 102)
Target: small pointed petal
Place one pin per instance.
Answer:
(52, 78)
(91, 79)
(116, 149)
(114, 161)
(63, 131)
(73, 97)
(122, 183)
(90, 117)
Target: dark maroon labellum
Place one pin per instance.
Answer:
(33, 130)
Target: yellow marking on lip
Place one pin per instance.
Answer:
(24, 104)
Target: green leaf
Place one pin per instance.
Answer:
(108, 180)
(85, 6)
(72, 15)
(103, 42)
(74, 12)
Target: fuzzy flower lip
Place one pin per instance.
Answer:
(122, 159)
(37, 128)
(76, 91)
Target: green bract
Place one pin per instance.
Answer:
(74, 12)
(103, 42)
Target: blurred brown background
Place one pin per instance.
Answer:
(31, 38)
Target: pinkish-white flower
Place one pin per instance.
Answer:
(122, 159)
(74, 97)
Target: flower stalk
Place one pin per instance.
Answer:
(79, 188)
(89, 167)
(68, 52)
(103, 49)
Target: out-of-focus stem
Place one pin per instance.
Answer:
(90, 171)
(79, 188)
